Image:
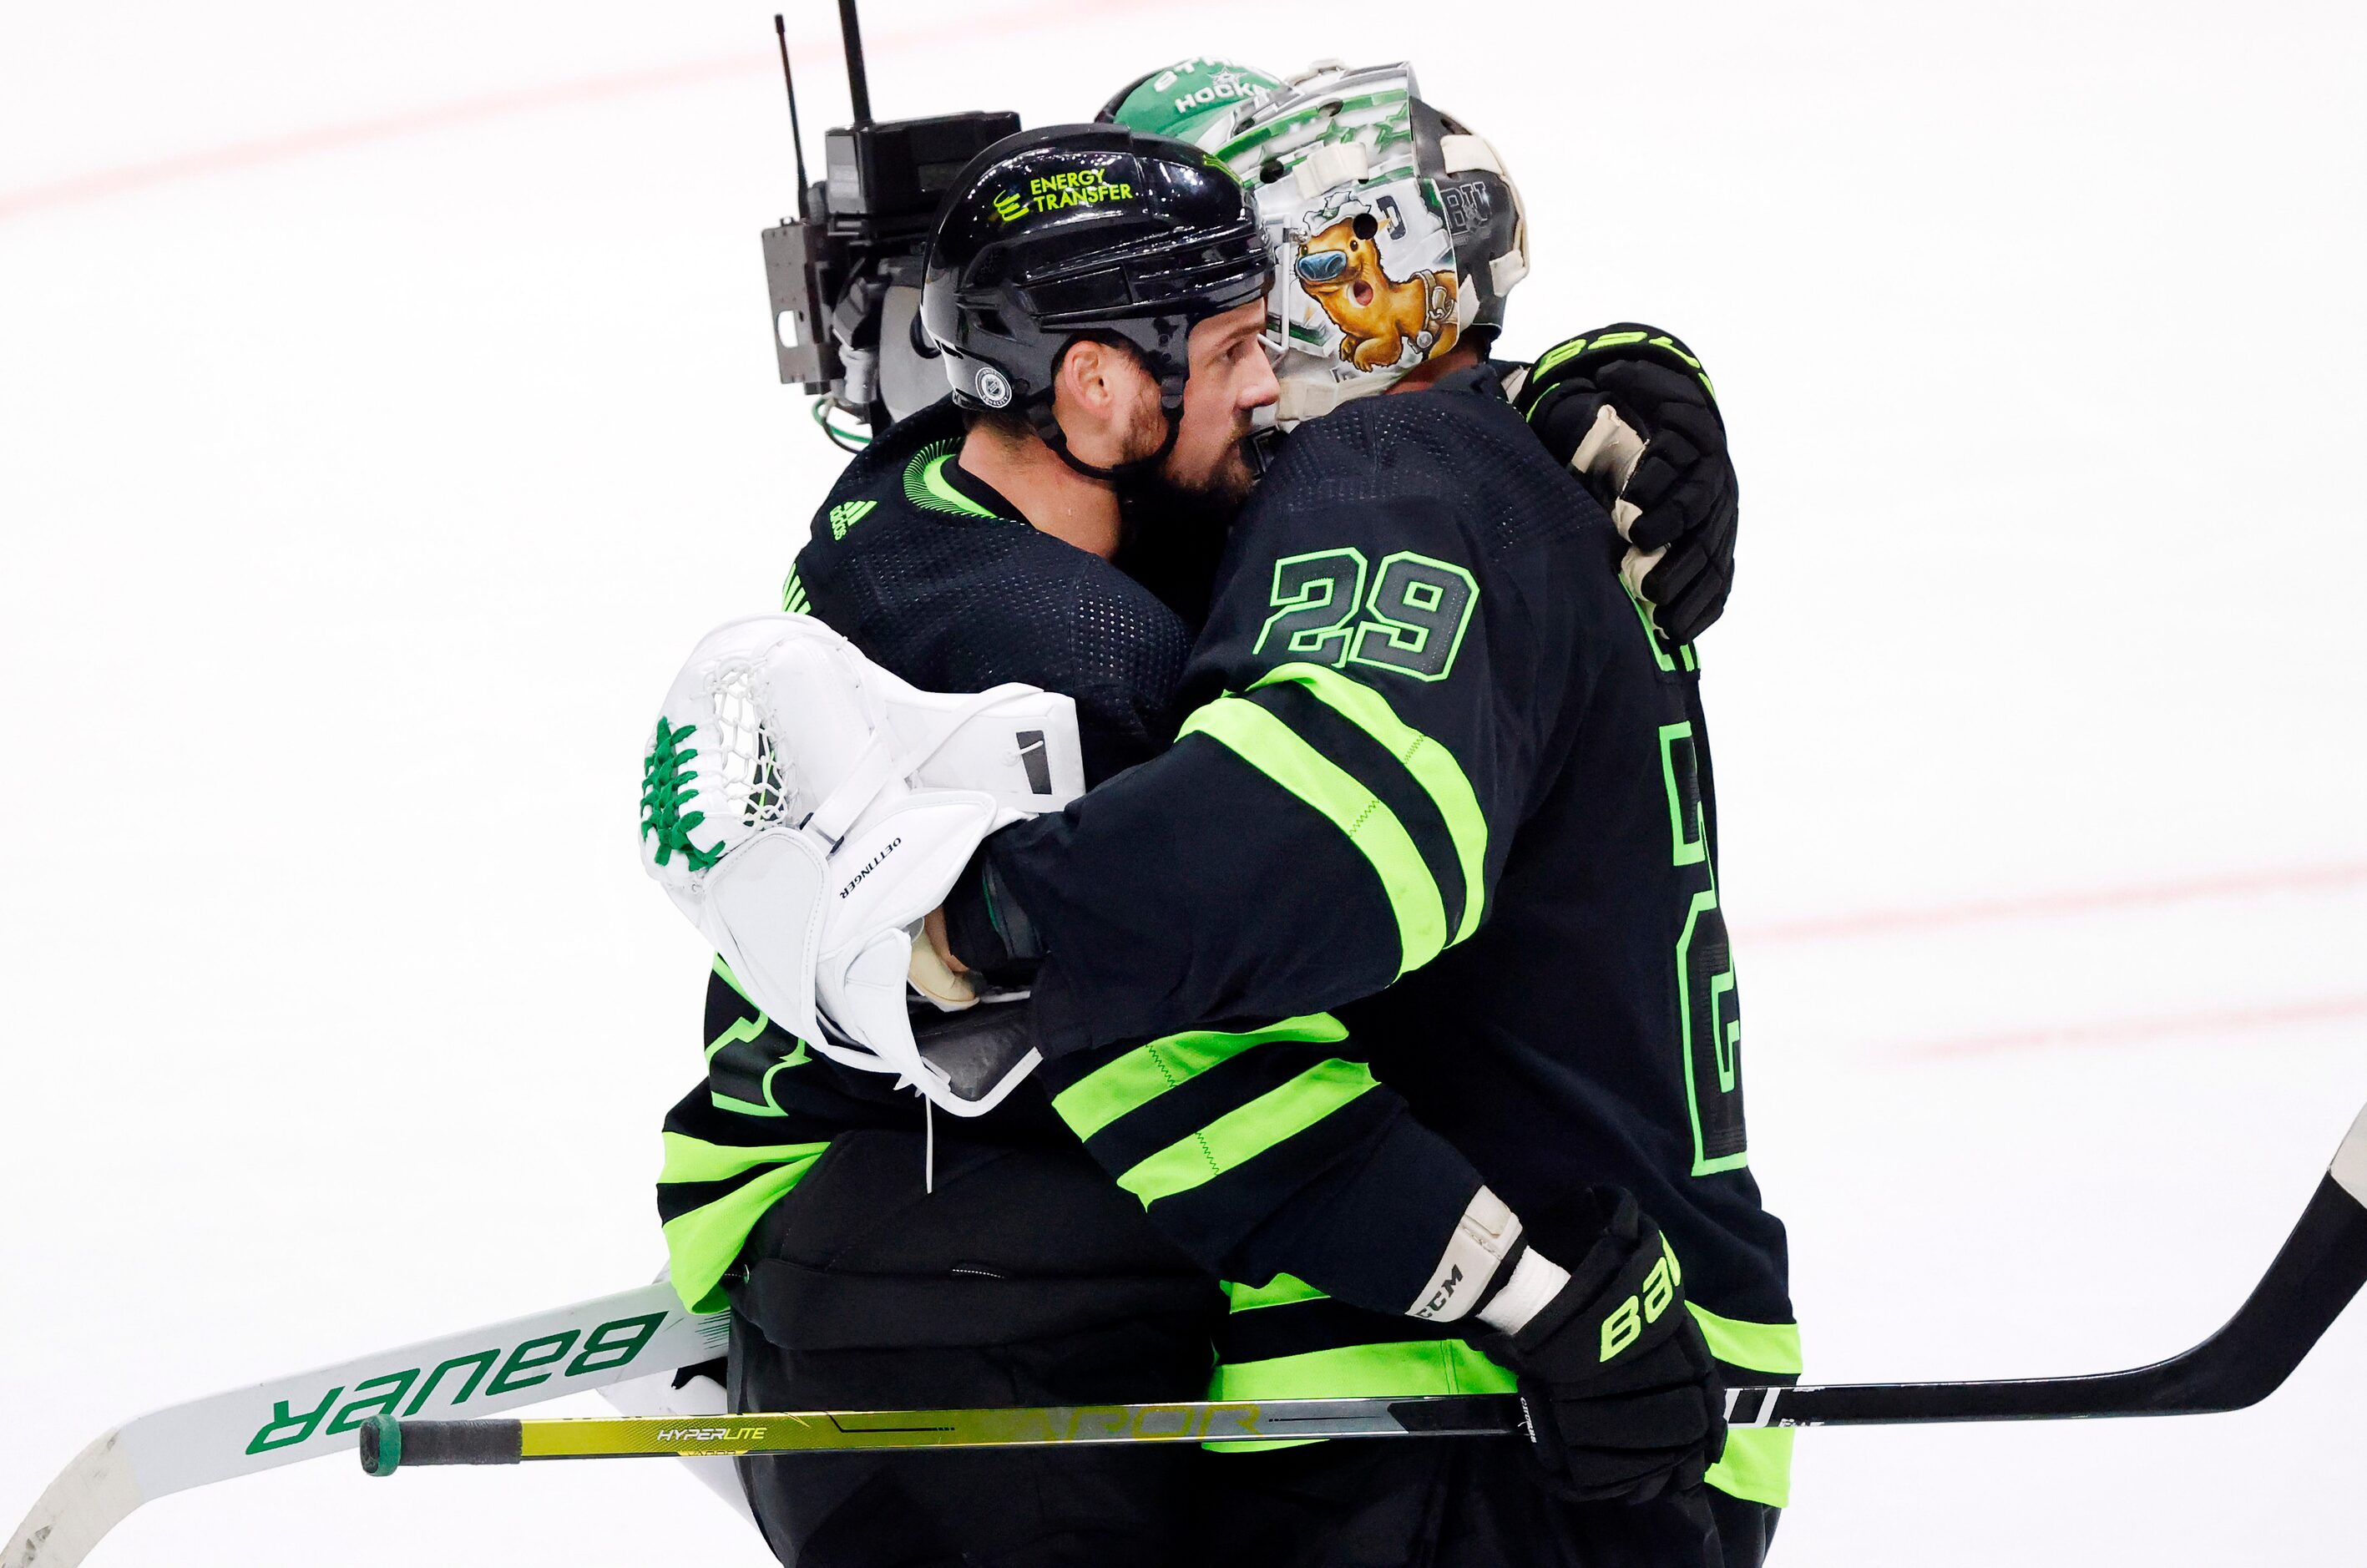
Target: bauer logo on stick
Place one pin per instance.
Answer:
(449, 1383)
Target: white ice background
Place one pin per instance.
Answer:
(386, 406)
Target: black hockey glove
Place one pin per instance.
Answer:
(1657, 462)
(985, 930)
(1623, 1398)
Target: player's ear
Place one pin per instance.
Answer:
(1084, 378)
(1082, 396)
(1094, 392)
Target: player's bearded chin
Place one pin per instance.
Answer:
(1229, 479)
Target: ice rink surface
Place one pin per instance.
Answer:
(385, 407)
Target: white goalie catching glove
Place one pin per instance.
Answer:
(807, 810)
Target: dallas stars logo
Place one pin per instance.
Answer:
(665, 772)
(1010, 205)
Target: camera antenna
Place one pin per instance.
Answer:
(797, 139)
(858, 86)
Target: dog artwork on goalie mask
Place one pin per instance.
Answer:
(1379, 317)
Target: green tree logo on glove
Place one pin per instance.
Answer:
(665, 773)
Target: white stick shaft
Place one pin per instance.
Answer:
(500, 1367)
(91, 1497)
(2350, 1167)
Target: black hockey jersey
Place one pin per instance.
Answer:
(932, 573)
(1442, 804)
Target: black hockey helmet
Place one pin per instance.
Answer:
(1084, 228)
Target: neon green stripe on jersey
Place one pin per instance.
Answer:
(1279, 1291)
(1378, 1371)
(1274, 749)
(1756, 1466)
(689, 1159)
(1432, 765)
(1242, 1134)
(1120, 1087)
(1757, 1347)
(1398, 1370)
(702, 1244)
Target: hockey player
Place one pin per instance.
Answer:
(851, 1290)
(1658, 463)
(1438, 758)
(995, 1265)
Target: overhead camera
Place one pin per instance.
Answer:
(845, 273)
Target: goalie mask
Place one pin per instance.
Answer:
(1186, 99)
(806, 810)
(1396, 234)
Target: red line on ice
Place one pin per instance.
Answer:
(760, 57)
(263, 149)
(2125, 1031)
(1890, 922)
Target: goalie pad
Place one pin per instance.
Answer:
(806, 810)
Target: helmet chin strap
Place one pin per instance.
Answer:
(1047, 429)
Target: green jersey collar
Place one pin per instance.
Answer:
(936, 481)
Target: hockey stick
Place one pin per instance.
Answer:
(389, 1444)
(591, 1344)
(637, 1333)
(2314, 1277)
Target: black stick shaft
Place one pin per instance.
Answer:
(2317, 1273)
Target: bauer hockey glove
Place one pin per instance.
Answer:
(1631, 412)
(1623, 1399)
